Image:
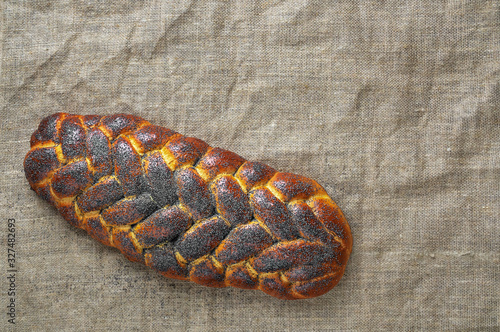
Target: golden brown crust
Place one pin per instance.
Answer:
(187, 210)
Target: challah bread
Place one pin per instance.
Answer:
(187, 210)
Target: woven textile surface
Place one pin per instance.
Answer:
(392, 106)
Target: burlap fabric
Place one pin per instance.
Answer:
(393, 106)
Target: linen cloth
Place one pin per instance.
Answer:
(393, 106)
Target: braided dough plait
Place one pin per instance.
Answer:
(187, 210)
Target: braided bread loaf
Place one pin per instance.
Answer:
(187, 210)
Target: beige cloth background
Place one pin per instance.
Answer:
(394, 106)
